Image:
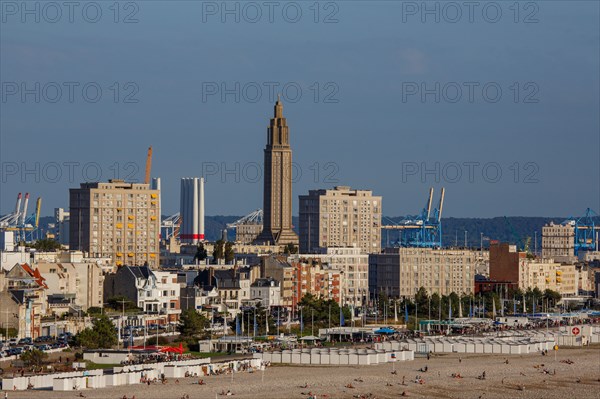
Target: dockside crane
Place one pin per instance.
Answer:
(423, 230)
(586, 230)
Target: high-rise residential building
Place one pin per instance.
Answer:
(341, 217)
(117, 220)
(558, 242)
(62, 225)
(277, 196)
(400, 272)
(353, 264)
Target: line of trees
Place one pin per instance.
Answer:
(435, 305)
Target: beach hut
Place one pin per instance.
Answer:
(296, 356)
(276, 357)
(286, 356)
(305, 357)
(344, 357)
(460, 347)
(59, 384)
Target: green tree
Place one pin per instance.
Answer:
(102, 335)
(218, 251)
(228, 253)
(201, 253)
(290, 249)
(34, 357)
(192, 324)
(47, 245)
(117, 303)
(436, 303)
(553, 297)
(94, 310)
(422, 300)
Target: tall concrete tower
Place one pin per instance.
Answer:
(277, 196)
(192, 210)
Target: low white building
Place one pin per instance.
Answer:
(266, 291)
(153, 291)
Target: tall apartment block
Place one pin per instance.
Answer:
(117, 220)
(341, 217)
(558, 242)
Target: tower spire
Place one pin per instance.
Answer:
(278, 107)
(277, 196)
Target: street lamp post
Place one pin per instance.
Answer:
(122, 302)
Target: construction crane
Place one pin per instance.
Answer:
(255, 217)
(148, 165)
(424, 230)
(19, 221)
(170, 226)
(586, 231)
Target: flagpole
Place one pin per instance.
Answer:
(267, 321)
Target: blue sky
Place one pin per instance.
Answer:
(362, 119)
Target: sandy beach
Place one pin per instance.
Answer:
(522, 377)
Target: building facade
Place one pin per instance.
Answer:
(279, 269)
(341, 217)
(156, 293)
(266, 291)
(83, 281)
(353, 264)
(558, 242)
(246, 233)
(504, 262)
(277, 196)
(547, 274)
(117, 220)
(400, 272)
(314, 278)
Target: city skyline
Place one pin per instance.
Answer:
(356, 105)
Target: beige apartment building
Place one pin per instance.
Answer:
(353, 264)
(548, 274)
(246, 233)
(558, 242)
(341, 217)
(83, 282)
(400, 272)
(117, 220)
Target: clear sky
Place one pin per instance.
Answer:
(391, 100)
